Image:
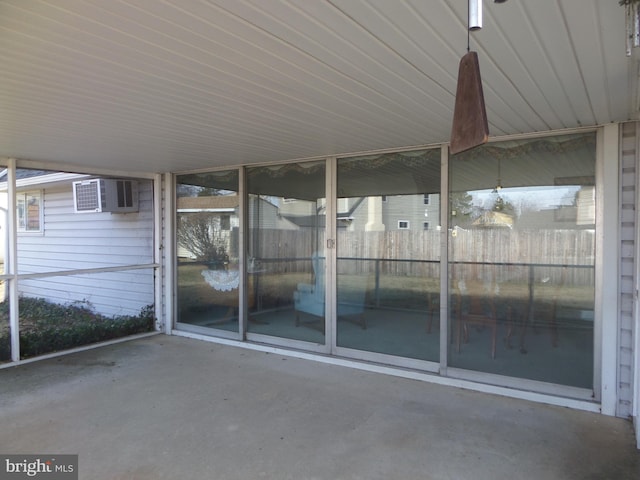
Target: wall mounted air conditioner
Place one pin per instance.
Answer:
(105, 195)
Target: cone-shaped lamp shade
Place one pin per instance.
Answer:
(470, 127)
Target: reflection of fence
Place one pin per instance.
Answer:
(416, 253)
(530, 273)
(525, 277)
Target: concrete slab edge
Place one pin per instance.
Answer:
(404, 373)
(79, 349)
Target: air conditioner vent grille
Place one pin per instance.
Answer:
(87, 196)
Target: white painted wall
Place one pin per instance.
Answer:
(90, 240)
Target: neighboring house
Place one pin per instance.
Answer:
(268, 212)
(397, 212)
(51, 236)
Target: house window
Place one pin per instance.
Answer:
(425, 225)
(425, 201)
(403, 224)
(29, 211)
(225, 222)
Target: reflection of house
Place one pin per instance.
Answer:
(268, 213)
(559, 218)
(580, 215)
(386, 212)
(52, 237)
(392, 212)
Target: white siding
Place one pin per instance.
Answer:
(91, 240)
(628, 228)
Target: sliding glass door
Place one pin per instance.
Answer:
(286, 251)
(522, 259)
(207, 234)
(388, 254)
(343, 256)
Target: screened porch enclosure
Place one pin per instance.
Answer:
(71, 278)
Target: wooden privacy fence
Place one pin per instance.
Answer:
(489, 254)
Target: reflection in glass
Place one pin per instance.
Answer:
(522, 257)
(286, 266)
(207, 231)
(59, 313)
(388, 251)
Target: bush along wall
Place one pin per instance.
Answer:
(47, 327)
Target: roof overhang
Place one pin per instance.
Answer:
(151, 86)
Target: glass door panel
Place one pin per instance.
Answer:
(388, 254)
(207, 230)
(522, 259)
(286, 257)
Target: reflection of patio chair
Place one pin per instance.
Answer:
(433, 306)
(540, 312)
(310, 298)
(475, 306)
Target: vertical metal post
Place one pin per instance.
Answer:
(12, 263)
(243, 249)
(158, 253)
(331, 263)
(169, 250)
(444, 258)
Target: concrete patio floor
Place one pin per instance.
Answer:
(176, 408)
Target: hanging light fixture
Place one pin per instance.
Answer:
(470, 126)
(498, 186)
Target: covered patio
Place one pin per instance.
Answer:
(304, 133)
(168, 407)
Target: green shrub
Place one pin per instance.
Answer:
(49, 327)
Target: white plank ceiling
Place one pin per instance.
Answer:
(176, 85)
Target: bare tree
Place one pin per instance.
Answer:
(201, 234)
